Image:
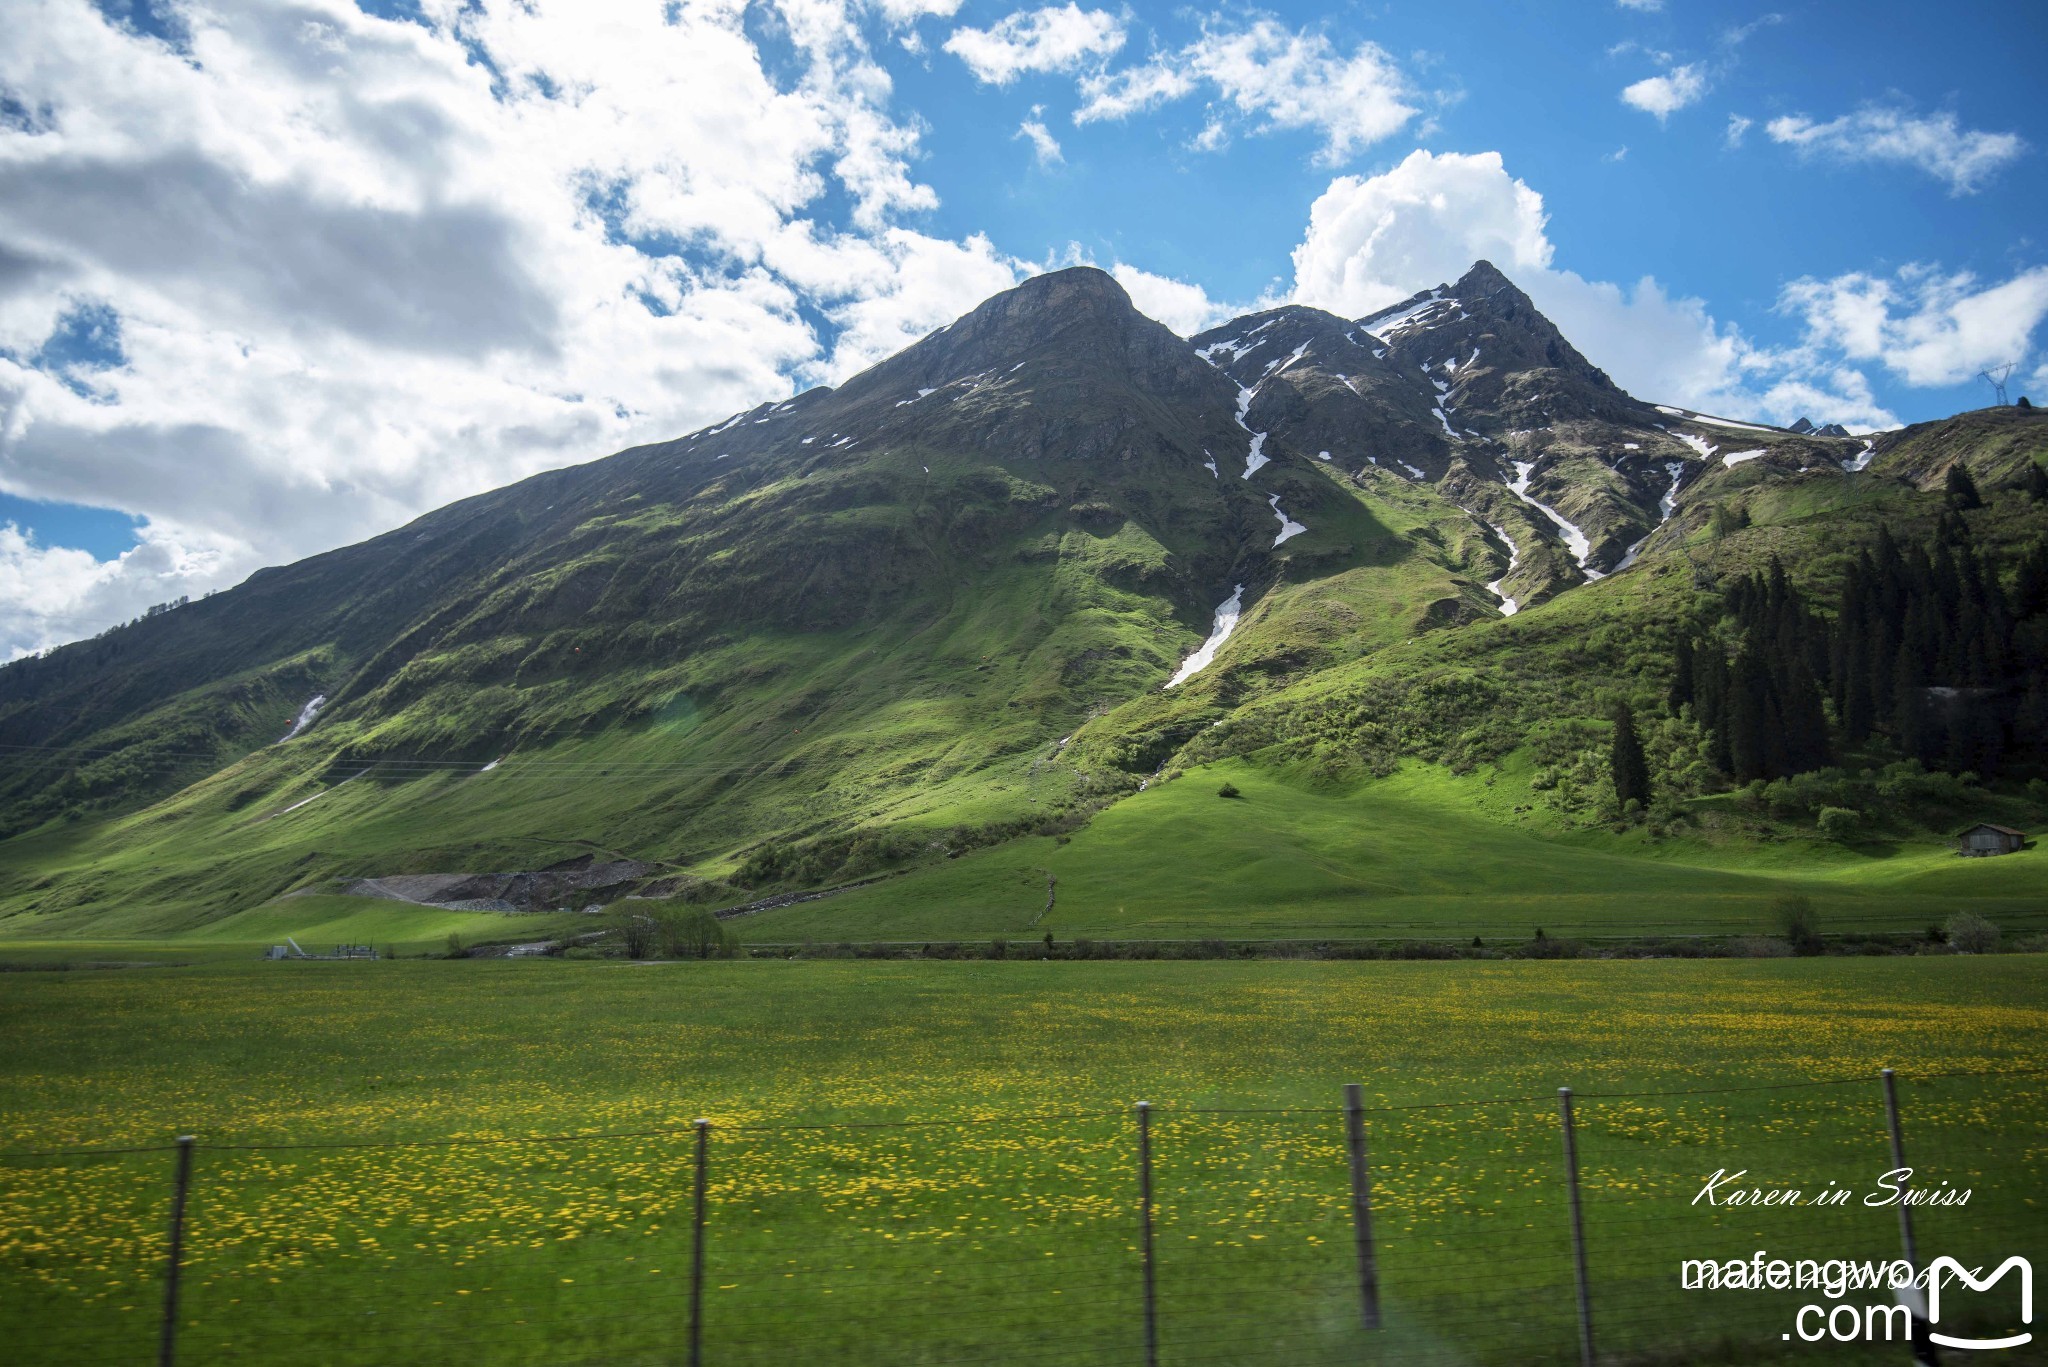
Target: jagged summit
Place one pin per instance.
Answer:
(1506, 361)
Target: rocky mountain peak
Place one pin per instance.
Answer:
(1483, 280)
(1071, 321)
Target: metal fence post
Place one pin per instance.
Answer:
(1145, 1231)
(1923, 1343)
(1571, 1172)
(1891, 1116)
(167, 1343)
(697, 1249)
(1361, 1204)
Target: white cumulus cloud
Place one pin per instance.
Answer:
(1374, 241)
(1043, 143)
(1050, 39)
(1274, 78)
(1665, 95)
(347, 269)
(1182, 306)
(1935, 143)
(1927, 327)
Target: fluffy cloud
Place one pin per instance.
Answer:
(897, 288)
(1043, 143)
(1665, 95)
(1373, 241)
(1641, 4)
(1184, 307)
(54, 593)
(354, 268)
(1925, 327)
(1272, 76)
(1049, 39)
(1936, 143)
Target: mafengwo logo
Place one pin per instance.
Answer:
(1962, 1274)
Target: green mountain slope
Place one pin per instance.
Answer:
(945, 608)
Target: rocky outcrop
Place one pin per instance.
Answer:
(577, 882)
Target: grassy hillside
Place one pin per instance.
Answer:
(898, 624)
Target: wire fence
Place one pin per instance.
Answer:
(1533, 1229)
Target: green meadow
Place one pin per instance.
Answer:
(1420, 855)
(934, 1162)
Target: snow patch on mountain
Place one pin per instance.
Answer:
(1668, 504)
(1575, 540)
(1227, 613)
(1508, 606)
(1709, 417)
(1737, 457)
(1665, 507)
(1861, 458)
(1258, 455)
(1288, 526)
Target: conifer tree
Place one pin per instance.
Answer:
(1681, 677)
(1630, 769)
(1962, 490)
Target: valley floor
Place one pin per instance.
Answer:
(1421, 855)
(935, 1162)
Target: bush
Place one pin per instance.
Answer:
(1798, 923)
(1228, 790)
(1840, 824)
(456, 949)
(1969, 933)
(635, 930)
(998, 949)
(693, 933)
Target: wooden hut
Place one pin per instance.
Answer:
(1986, 838)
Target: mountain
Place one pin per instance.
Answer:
(997, 581)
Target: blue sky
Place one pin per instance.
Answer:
(1540, 84)
(279, 274)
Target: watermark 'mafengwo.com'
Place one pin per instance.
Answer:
(1919, 1294)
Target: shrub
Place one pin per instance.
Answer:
(635, 930)
(1969, 933)
(998, 949)
(456, 949)
(1228, 790)
(1798, 923)
(695, 933)
(1840, 824)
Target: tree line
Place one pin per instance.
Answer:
(1934, 649)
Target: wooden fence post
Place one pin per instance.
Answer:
(167, 1341)
(1361, 1205)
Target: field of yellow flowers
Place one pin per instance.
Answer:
(935, 1162)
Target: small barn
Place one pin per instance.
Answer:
(1986, 838)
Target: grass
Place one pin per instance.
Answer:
(1422, 855)
(965, 1239)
